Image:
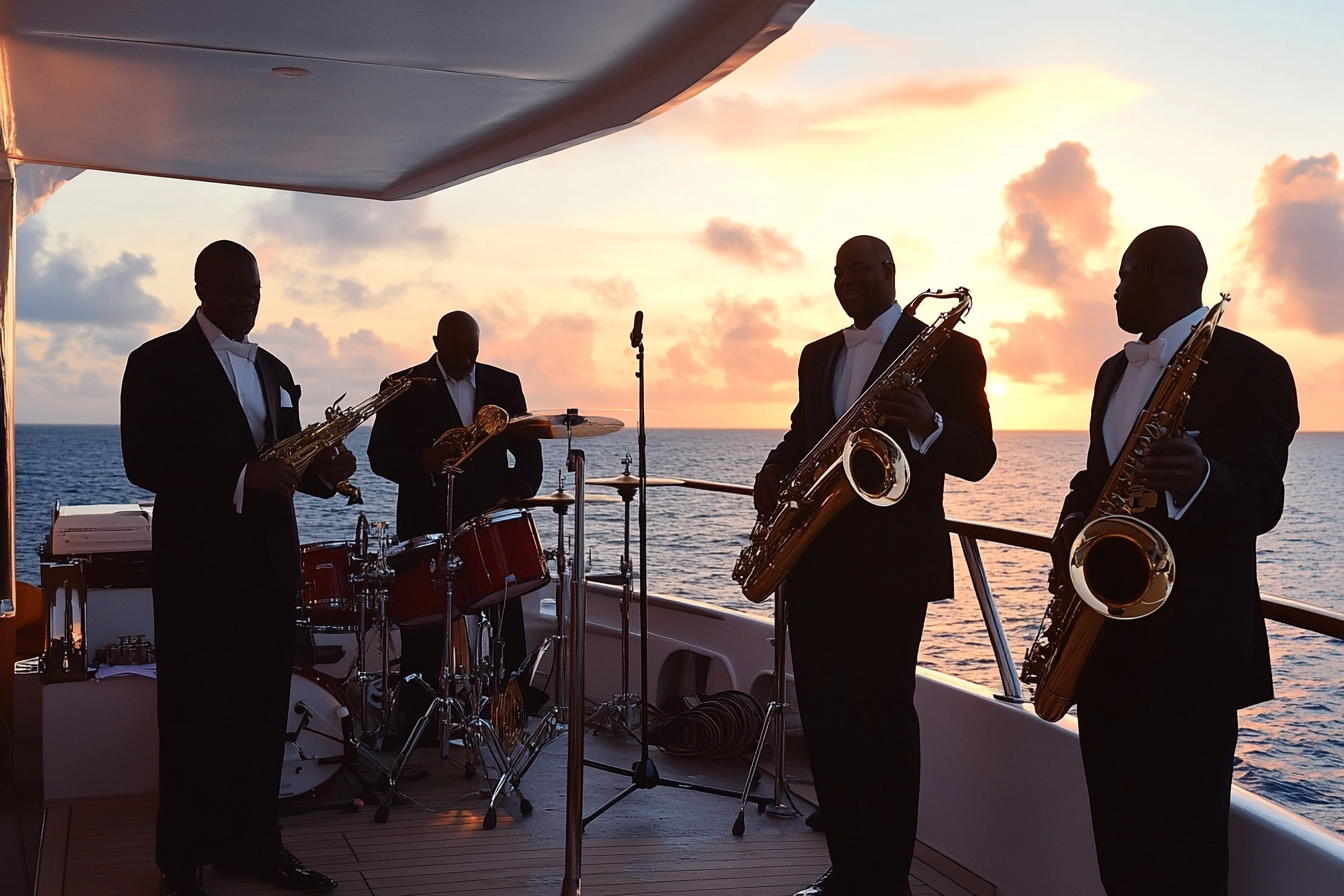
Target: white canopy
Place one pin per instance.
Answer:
(386, 100)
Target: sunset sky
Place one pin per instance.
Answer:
(1011, 148)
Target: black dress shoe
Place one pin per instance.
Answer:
(181, 882)
(829, 884)
(281, 868)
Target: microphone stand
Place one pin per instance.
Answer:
(643, 773)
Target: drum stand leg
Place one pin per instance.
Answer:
(615, 715)
(775, 714)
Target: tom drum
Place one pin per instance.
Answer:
(328, 594)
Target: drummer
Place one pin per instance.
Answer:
(401, 448)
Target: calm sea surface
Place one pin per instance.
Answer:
(1291, 750)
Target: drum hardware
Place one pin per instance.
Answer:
(643, 774)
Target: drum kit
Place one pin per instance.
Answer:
(372, 587)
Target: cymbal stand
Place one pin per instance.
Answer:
(614, 715)
(776, 713)
(370, 581)
(643, 774)
(445, 573)
(556, 722)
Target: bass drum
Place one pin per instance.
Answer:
(320, 733)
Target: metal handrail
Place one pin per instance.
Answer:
(1296, 613)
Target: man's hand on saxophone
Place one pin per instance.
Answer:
(1176, 466)
(336, 465)
(909, 408)
(766, 491)
(272, 474)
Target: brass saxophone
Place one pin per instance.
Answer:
(302, 448)
(853, 458)
(490, 420)
(1119, 567)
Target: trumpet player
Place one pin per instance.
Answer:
(197, 407)
(1158, 698)
(402, 449)
(857, 596)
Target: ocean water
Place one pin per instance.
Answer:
(1291, 749)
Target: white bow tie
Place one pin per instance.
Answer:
(853, 336)
(1144, 352)
(246, 350)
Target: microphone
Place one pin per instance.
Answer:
(637, 333)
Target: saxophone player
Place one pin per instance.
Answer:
(197, 407)
(1158, 698)
(857, 596)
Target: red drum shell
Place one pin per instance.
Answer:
(412, 598)
(328, 594)
(501, 557)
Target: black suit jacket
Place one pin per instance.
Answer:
(1208, 642)
(905, 547)
(407, 426)
(185, 438)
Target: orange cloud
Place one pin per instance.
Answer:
(1295, 241)
(1059, 217)
(742, 120)
(756, 247)
(733, 357)
(614, 292)
(553, 356)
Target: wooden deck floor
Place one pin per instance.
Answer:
(662, 841)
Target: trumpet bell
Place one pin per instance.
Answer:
(1122, 567)
(876, 467)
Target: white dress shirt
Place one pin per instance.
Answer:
(463, 392)
(858, 356)
(239, 362)
(1147, 362)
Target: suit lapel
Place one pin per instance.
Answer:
(904, 333)
(217, 389)
(270, 393)
(827, 397)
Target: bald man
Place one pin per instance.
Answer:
(401, 449)
(197, 407)
(857, 596)
(1158, 699)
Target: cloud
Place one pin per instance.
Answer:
(1294, 243)
(756, 247)
(354, 365)
(1059, 221)
(743, 120)
(614, 292)
(35, 184)
(733, 356)
(344, 229)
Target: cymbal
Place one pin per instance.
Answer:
(625, 480)
(562, 426)
(562, 499)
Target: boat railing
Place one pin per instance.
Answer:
(971, 533)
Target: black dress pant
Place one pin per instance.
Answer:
(225, 659)
(1159, 780)
(854, 653)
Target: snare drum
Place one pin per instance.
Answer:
(501, 557)
(327, 593)
(415, 596)
(319, 735)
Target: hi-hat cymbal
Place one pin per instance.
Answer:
(625, 480)
(562, 426)
(562, 499)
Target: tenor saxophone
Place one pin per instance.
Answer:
(304, 447)
(855, 457)
(1119, 567)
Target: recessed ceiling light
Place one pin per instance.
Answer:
(290, 71)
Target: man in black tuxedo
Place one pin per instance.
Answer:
(858, 594)
(1158, 699)
(197, 406)
(401, 448)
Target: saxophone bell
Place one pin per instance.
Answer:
(1122, 567)
(876, 467)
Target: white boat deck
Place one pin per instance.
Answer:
(661, 841)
